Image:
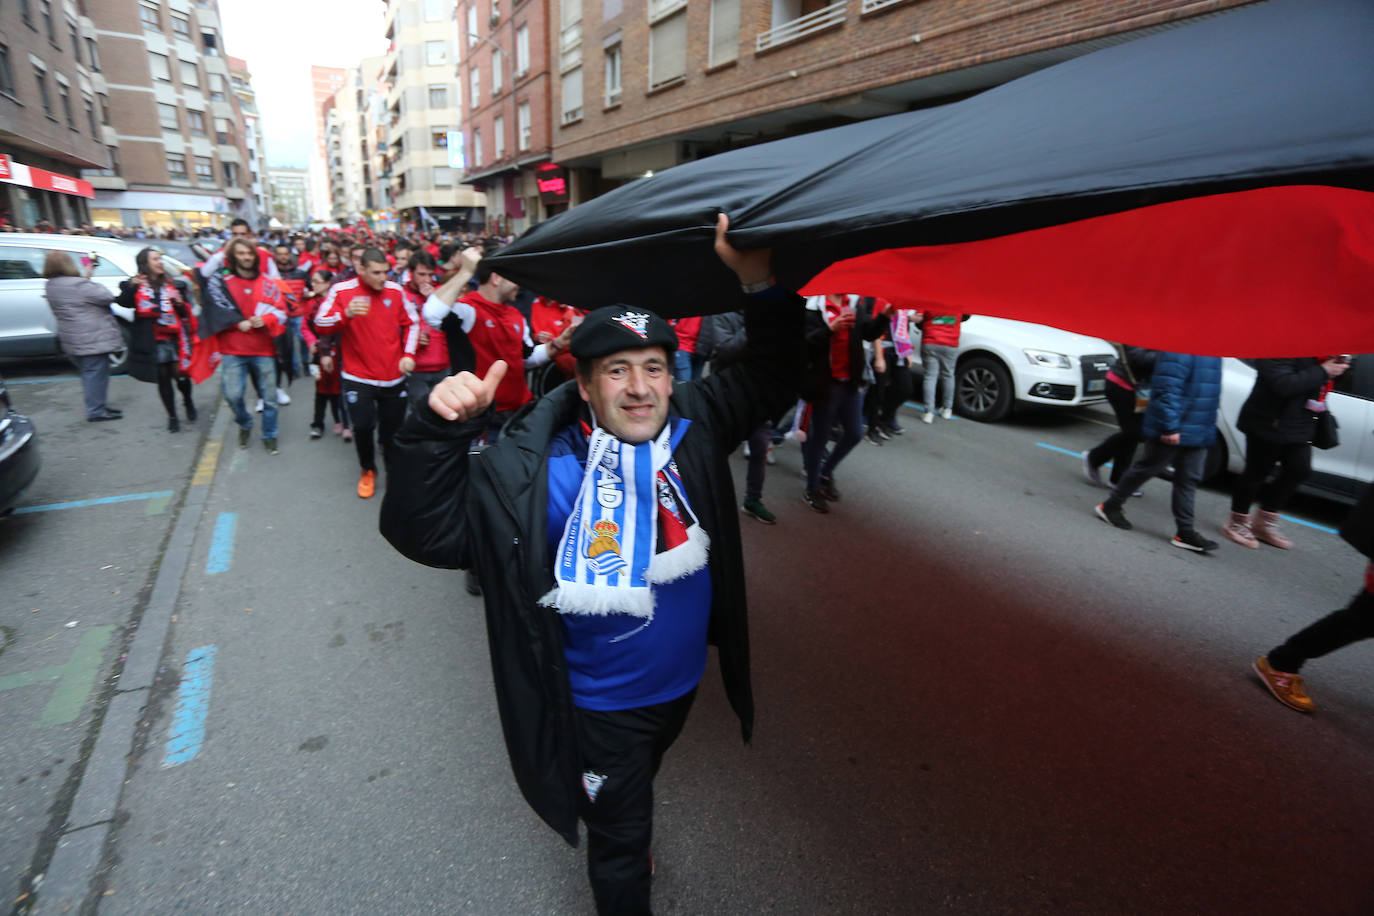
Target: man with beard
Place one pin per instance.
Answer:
(604, 526)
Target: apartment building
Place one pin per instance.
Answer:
(289, 193)
(424, 116)
(506, 70)
(257, 209)
(324, 82)
(642, 85)
(178, 157)
(53, 112)
(349, 147)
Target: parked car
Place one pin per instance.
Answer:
(1342, 472)
(1002, 362)
(18, 453)
(27, 325)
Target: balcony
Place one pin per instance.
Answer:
(828, 17)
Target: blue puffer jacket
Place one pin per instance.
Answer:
(1184, 396)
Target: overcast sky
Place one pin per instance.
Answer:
(281, 40)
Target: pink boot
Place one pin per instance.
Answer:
(1265, 526)
(1237, 529)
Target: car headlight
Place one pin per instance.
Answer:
(1048, 359)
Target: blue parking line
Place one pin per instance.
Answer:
(102, 501)
(39, 381)
(222, 544)
(920, 407)
(187, 732)
(1286, 518)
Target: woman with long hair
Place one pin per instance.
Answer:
(164, 332)
(85, 327)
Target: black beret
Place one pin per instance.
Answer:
(620, 327)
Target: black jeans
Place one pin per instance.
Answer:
(1295, 463)
(1334, 631)
(374, 407)
(1119, 447)
(891, 388)
(621, 754)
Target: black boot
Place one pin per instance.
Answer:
(172, 425)
(190, 411)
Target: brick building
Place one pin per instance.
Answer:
(324, 82)
(52, 121)
(506, 73)
(642, 85)
(179, 158)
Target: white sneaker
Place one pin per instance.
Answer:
(283, 397)
(259, 407)
(770, 459)
(946, 413)
(746, 449)
(927, 417)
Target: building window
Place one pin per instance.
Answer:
(522, 51)
(216, 87)
(439, 137)
(6, 74)
(48, 25)
(570, 36)
(477, 146)
(572, 96)
(93, 53)
(210, 44)
(668, 49)
(176, 165)
(613, 75)
(158, 64)
(522, 126)
(435, 53)
(181, 24)
(205, 169)
(64, 93)
(76, 39)
(104, 109)
(224, 134)
(190, 76)
(231, 174)
(473, 35)
(438, 96)
(196, 120)
(41, 76)
(443, 176)
(498, 129)
(167, 116)
(474, 87)
(26, 13)
(91, 122)
(724, 32)
(497, 63)
(151, 14)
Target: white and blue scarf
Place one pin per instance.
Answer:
(609, 557)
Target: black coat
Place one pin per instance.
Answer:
(142, 363)
(1276, 410)
(487, 510)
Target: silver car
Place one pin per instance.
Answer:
(27, 325)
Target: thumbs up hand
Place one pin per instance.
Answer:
(464, 396)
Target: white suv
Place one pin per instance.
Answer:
(1341, 472)
(1001, 362)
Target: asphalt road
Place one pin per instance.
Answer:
(973, 697)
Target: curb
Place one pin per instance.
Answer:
(80, 849)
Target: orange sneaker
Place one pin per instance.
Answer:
(367, 484)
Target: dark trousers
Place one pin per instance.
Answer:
(891, 388)
(1188, 462)
(621, 754)
(95, 381)
(842, 402)
(1119, 447)
(373, 407)
(332, 400)
(759, 442)
(1334, 631)
(1295, 463)
(167, 375)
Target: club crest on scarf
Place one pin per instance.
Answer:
(603, 549)
(634, 321)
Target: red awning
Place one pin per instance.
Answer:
(32, 177)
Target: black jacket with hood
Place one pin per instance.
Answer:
(487, 510)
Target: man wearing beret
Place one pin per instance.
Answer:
(604, 529)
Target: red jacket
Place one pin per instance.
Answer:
(500, 333)
(942, 330)
(546, 315)
(371, 344)
(432, 353)
(259, 296)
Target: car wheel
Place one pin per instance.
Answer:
(1216, 460)
(982, 389)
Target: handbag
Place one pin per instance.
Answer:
(1326, 435)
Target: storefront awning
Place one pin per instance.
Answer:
(32, 177)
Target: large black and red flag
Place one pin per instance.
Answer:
(1207, 189)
